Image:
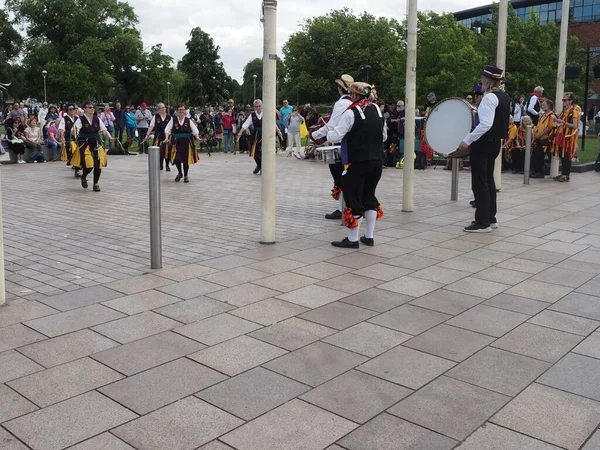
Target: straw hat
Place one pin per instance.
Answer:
(345, 81)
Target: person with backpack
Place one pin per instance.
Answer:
(533, 104)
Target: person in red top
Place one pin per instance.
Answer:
(228, 120)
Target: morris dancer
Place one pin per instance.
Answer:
(336, 169)
(255, 120)
(182, 150)
(542, 143)
(362, 131)
(90, 156)
(160, 121)
(564, 143)
(65, 128)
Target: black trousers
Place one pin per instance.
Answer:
(566, 166)
(360, 183)
(518, 159)
(483, 157)
(97, 170)
(164, 155)
(336, 172)
(119, 129)
(258, 161)
(537, 160)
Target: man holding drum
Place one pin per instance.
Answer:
(485, 142)
(336, 169)
(362, 131)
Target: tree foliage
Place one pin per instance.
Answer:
(255, 67)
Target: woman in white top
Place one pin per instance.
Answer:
(33, 139)
(293, 135)
(519, 110)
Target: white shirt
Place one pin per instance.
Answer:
(533, 100)
(42, 116)
(338, 110)
(61, 125)
(152, 122)
(193, 126)
(248, 121)
(78, 125)
(518, 112)
(485, 111)
(346, 123)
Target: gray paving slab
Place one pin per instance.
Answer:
(14, 365)
(351, 283)
(493, 437)
(592, 287)
(557, 417)
(186, 424)
(13, 405)
(517, 304)
(104, 441)
(543, 256)
(295, 425)
(407, 367)
(447, 302)
(593, 443)
(449, 342)
(293, 333)
(524, 265)
(69, 422)
(9, 442)
(277, 265)
(66, 348)
(138, 284)
(74, 320)
(367, 339)
(577, 374)
(414, 287)
(477, 287)
(17, 335)
(579, 305)
(356, 260)
(216, 445)
(356, 396)
(244, 294)
(136, 327)
(143, 301)
(193, 310)
(565, 322)
(315, 363)
(450, 407)
(338, 315)
(322, 270)
(563, 277)
(253, 393)
(269, 311)
(12, 314)
(376, 299)
(312, 296)
(465, 264)
(312, 255)
(501, 275)
(189, 289)
(80, 298)
(185, 272)
(444, 276)
(157, 387)
(410, 319)
(412, 262)
(488, 320)
(285, 282)
(144, 354)
(237, 355)
(234, 277)
(216, 329)
(539, 290)
(65, 381)
(387, 432)
(500, 371)
(590, 346)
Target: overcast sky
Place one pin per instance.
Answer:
(234, 24)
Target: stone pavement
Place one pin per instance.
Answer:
(431, 340)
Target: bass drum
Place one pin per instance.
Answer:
(448, 124)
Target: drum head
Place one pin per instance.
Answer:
(448, 124)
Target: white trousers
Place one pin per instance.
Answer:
(291, 137)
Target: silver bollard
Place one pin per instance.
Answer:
(155, 213)
(454, 191)
(527, 168)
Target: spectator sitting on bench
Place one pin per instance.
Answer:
(33, 139)
(14, 135)
(54, 140)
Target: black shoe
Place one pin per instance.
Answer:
(168, 169)
(84, 183)
(256, 170)
(161, 167)
(96, 188)
(477, 228)
(367, 241)
(345, 243)
(336, 215)
(178, 178)
(186, 179)
(537, 175)
(472, 203)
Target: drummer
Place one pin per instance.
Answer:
(336, 169)
(485, 142)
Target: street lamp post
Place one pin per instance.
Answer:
(169, 95)
(44, 73)
(254, 76)
(368, 67)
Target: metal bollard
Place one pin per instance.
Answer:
(454, 191)
(2, 285)
(155, 212)
(527, 155)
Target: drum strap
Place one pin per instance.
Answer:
(362, 114)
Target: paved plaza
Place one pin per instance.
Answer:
(433, 339)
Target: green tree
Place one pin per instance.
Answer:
(10, 44)
(255, 67)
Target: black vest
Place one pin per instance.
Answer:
(365, 140)
(499, 128)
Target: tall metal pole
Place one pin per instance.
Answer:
(169, 96)
(155, 212)
(267, 231)
(254, 98)
(560, 74)
(585, 99)
(408, 183)
(501, 63)
(2, 285)
(44, 73)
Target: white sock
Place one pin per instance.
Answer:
(371, 217)
(341, 202)
(353, 234)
